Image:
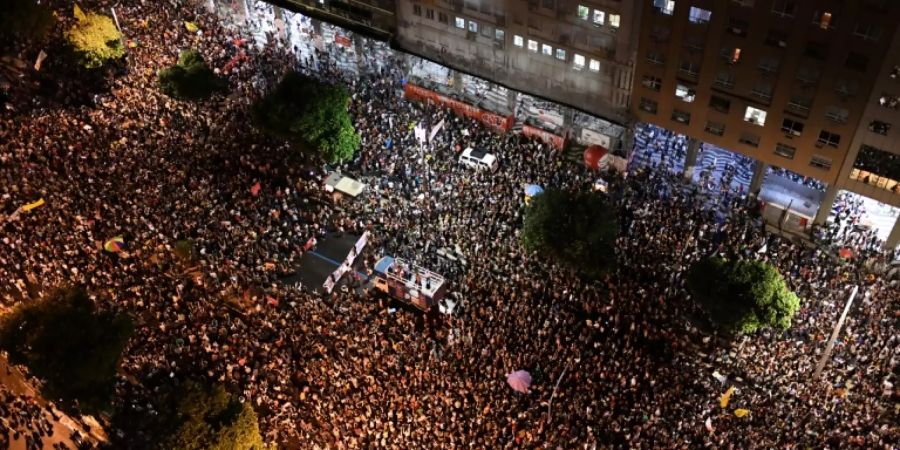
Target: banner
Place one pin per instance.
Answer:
(32, 205)
(726, 397)
(495, 121)
(555, 141)
(435, 129)
(590, 137)
(340, 39)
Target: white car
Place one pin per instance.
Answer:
(478, 159)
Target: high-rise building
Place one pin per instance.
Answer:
(580, 53)
(785, 82)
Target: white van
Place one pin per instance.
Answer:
(478, 159)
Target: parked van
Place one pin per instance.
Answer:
(478, 159)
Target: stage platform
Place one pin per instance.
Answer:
(319, 263)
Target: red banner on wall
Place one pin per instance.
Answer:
(340, 39)
(556, 141)
(495, 121)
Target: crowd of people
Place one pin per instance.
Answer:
(617, 363)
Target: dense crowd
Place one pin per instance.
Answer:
(617, 363)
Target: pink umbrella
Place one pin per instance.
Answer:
(519, 380)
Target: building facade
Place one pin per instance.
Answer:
(785, 82)
(580, 53)
(375, 18)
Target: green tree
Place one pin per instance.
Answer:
(190, 78)
(25, 19)
(64, 340)
(742, 295)
(197, 416)
(95, 38)
(311, 114)
(577, 229)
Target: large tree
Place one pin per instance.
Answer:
(577, 229)
(190, 79)
(67, 342)
(95, 39)
(742, 295)
(311, 114)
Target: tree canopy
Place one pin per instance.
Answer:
(25, 19)
(310, 113)
(577, 229)
(64, 340)
(196, 416)
(190, 79)
(742, 295)
(95, 38)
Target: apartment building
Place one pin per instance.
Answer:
(580, 53)
(375, 18)
(786, 82)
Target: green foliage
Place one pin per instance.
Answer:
(311, 113)
(742, 295)
(576, 229)
(64, 340)
(95, 38)
(195, 416)
(25, 19)
(190, 79)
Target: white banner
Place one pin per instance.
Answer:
(590, 137)
(435, 129)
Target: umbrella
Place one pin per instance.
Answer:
(519, 380)
(114, 245)
(532, 189)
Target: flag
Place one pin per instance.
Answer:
(726, 397)
(40, 60)
(114, 245)
(255, 189)
(32, 205)
(191, 26)
(741, 412)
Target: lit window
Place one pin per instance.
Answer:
(755, 116)
(578, 61)
(699, 15)
(685, 93)
(499, 34)
(546, 49)
(594, 65)
(599, 16)
(560, 54)
(583, 12)
(532, 45)
(473, 26)
(518, 41)
(460, 22)
(614, 20)
(823, 19)
(665, 6)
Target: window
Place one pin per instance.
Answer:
(737, 27)
(732, 55)
(820, 162)
(651, 82)
(785, 151)
(694, 43)
(614, 20)
(429, 14)
(499, 35)
(647, 105)
(681, 116)
(660, 33)
(808, 75)
(828, 138)
(473, 26)
(699, 15)
(443, 18)
(837, 114)
(762, 91)
(583, 12)
(776, 38)
(486, 31)
(546, 49)
(532, 46)
(749, 139)
(655, 57)
(895, 73)
(460, 23)
(417, 10)
(784, 8)
(560, 54)
(867, 32)
(599, 17)
(857, 61)
(816, 50)
(666, 7)
(768, 64)
(594, 65)
(890, 101)
(724, 79)
(792, 127)
(822, 19)
(715, 128)
(755, 116)
(689, 68)
(877, 126)
(518, 41)
(799, 105)
(685, 93)
(745, 3)
(846, 88)
(578, 61)
(722, 105)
